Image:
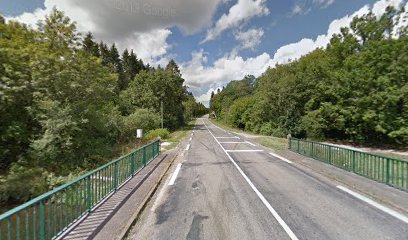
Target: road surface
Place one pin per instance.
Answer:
(225, 187)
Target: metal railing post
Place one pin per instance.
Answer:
(298, 141)
(132, 164)
(144, 156)
(312, 150)
(387, 174)
(353, 163)
(88, 193)
(330, 155)
(42, 221)
(153, 147)
(115, 176)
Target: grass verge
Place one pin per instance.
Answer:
(280, 144)
(176, 136)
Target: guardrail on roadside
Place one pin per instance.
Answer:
(50, 214)
(391, 171)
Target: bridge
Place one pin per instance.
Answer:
(219, 184)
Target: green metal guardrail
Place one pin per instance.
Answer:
(49, 215)
(391, 171)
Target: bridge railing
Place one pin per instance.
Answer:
(49, 215)
(391, 171)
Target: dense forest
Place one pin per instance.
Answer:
(354, 90)
(67, 102)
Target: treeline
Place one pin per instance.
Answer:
(355, 89)
(67, 102)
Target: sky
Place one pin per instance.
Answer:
(213, 41)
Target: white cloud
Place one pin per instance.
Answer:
(380, 6)
(148, 46)
(199, 78)
(402, 22)
(324, 3)
(241, 12)
(233, 67)
(299, 9)
(113, 18)
(296, 50)
(205, 98)
(81, 16)
(130, 22)
(249, 39)
(303, 8)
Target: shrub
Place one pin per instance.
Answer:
(161, 133)
(141, 119)
(25, 182)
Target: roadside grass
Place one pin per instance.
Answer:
(225, 126)
(279, 144)
(390, 155)
(176, 136)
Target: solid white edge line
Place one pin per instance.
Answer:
(174, 176)
(375, 204)
(281, 158)
(188, 147)
(251, 150)
(251, 144)
(259, 194)
(225, 137)
(160, 195)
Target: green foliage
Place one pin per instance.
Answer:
(16, 123)
(161, 133)
(240, 112)
(141, 119)
(192, 109)
(221, 102)
(355, 89)
(67, 101)
(149, 89)
(24, 182)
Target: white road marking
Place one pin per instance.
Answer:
(251, 144)
(191, 139)
(226, 137)
(281, 158)
(375, 204)
(176, 172)
(159, 196)
(259, 194)
(249, 150)
(188, 147)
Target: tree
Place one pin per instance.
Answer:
(131, 67)
(17, 125)
(90, 46)
(60, 102)
(147, 91)
(104, 53)
(173, 68)
(73, 100)
(354, 89)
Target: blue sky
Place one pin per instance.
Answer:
(214, 41)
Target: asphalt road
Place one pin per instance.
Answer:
(228, 188)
